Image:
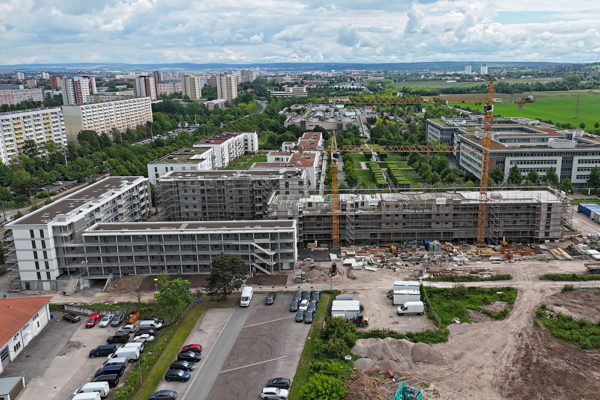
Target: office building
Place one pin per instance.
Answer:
(248, 75)
(55, 81)
(468, 70)
(78, 90)
(185, 159)
(484, 69)
(168, 88)
(145, 86)
(40, 125)
(158, 76)
(18, 95)
(379, 219)
(228, 146)
(48, 243)
(224, 195)
(191, 87)
(104, 117)
(20, 76)
(226, 87)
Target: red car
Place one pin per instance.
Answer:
(93, 320)
(192, 347)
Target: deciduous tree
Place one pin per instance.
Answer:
(228, 273)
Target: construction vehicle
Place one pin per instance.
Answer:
(360, 321)
(406, 392)
(333, 269)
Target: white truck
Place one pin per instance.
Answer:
(411, 307)
(246, 296)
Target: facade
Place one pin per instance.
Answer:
(45, 75)
(248, 75)
(468, 70)
(528, 144)
(228, 146)
(104, 117)
(158, 76)
(45, 240)
(290, 91)
(168, 88)
(78, 90)
(484, 69)
(21, 320)
(41, 125)
(191, 87)
(20, 76)
(55, 81)
(185, 159)
(224, 195)
(378, 219)
(16, 96)
(186, 247)
(226, 87)
(145, 86)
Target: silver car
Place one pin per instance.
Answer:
(106, 320)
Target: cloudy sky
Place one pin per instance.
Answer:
(239, 31)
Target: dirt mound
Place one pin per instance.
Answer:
(365, 387)
(390, 365)
(383, 349)
(126, 284)
(364, 364)
(196, 281)
(425, 353)
(495, 307)
(477, 316)
(578, 304)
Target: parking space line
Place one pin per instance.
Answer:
(268, 322)
(252, 365)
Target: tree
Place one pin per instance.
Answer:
(594, 178)
(228, 273)
(567, 186)
(323, 387)
(596, 125)
(533, 176)
(497, 174)
(552, 177)
(582, 125)
(174, 296)
(514, 176)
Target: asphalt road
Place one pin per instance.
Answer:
(212, 363)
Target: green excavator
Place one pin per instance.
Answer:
(405, 392)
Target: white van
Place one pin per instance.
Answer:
(150, 325)
(411, 307)
(134, 345)
(94, 387)
(88, 396)
(246, 296)
(130, 353)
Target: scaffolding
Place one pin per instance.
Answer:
(10, 261)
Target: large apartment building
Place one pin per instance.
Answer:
(185, 159)
(78, 90)
(17, 95)
(377, 219)
(223, 195)
(191, 87)
(104, 117)
(48, 242)
(145, 86)
(228, 146)
(528, 144)
(226, 87)
(40, 125)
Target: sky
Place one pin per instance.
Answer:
(263, 31)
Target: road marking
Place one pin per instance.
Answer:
(252, 365)
(268, 322)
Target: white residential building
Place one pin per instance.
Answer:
(16, 96)
(248, 75)
(104, 117)
(78, 90)
(41, 126)
(290, 91)
(484, 69)
(228, 146)
(191, 87)
(186, 159)
(226, 87)
(168, 88)
(145, 86)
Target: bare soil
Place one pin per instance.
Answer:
(495, 307)
(578, 304)
(268, 280)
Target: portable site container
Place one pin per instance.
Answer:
(403, 296)
(584, 208)
(346, 309)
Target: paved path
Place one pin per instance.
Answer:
(212, 363)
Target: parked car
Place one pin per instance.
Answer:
(303, 305)
(274, 393)
(112, 379)
(57, 183)
(316, 297)
(119, 337)
(281, 383)
(183, 365)
(132, 317)
(300, 316)
(150, 324)
(117, 319)
(308, 318)
(93, 320)
(177, 375)
(298, 295)
(111, 369)
(312, 306)
(294, 306)
(196, 348)
(306, 295)
(129, 328)
(153, 318)
(147, 331)
(189, 356)
(103, 350)
(144, 337)
(72, 318)
(270, 298)
(164, 395)
(105, 320)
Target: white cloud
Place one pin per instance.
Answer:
(140, 31)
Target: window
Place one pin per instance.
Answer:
(39, 276)
(37, 265)
(48, 275)
(46, 265)
(33, 244)
(31, 233)
(17, 346)
(41, 233)
(45, 254)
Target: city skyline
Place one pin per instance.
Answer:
(250, 31)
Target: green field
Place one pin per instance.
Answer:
(440, 84)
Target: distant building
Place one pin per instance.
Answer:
(145, 86)
(41, 126)
(226, 87)
(484, 69)
(212, 81)
(468, 70)
(30, 83)
(158, 76)
(20, 76)
(16, 96)
(45, 75)
(55, 81)
(248, 75)
(217, 103)
(186, 159)
(290, 91)
(228, 146)
(78, 90)
(168, 88)
(104, 117)
(191, 87)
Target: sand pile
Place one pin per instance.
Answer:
(393, 354)
(383, 349)
(364, 364)
(425, 353)
(126, 284)
(390, 365)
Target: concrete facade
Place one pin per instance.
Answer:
(16, 96)
(185, 159)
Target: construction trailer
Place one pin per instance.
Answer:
(346, 309)
(404, 291)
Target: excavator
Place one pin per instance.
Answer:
(406, 392)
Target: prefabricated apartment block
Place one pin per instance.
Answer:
(519, 216)
(223, 195)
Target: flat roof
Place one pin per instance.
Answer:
(16, 312)
(186, 155)
(225, 174)
(73, 201)
(218, 139)
(303, 160)
(189, 225)
(8, 384)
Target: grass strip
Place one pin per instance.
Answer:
(303, 370)
(570, 277)
(471, 278)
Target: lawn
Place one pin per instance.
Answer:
(409, 177)
(365, 177)
(247, 160)
(581, 332)
(357, 158)
(442, 84)
(588, 200)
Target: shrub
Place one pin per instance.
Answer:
(336, 348)
(581, 332)
(570, 277)
(338, 369)
(568, 288)
(323, 387)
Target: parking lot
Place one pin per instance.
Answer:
(269, 345)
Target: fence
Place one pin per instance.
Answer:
(431, 313)
(90, 311)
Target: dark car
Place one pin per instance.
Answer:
(294, 305)
(300, 316)
(312, 306)
(306, 295)
(308, 318)
(147, 331)
(281, 383)
(316, 296)
(103, 350)
(189, 356)
(196, 348)
(298, 295)
(118, 338)
(177, 375)
(72, 318)
(112, 379)
(164, 395)
(117, 319)
(183, 365)
(117, 369)
(270, 298)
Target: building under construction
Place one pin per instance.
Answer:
(367, 219)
